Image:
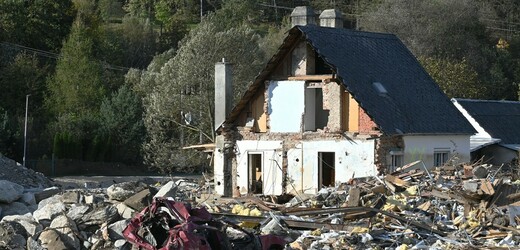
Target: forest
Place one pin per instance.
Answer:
(131, 81)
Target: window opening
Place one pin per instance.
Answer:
(396, 160)
(440, 157)
(315, 116)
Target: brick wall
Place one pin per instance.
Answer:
(366, 125)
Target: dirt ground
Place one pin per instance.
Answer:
(71, 182)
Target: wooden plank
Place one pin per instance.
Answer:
(255, 201)
(487, 187)
(296, 224)
(396, 181)
(312, 77)
(411, 222)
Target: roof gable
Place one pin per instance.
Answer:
(500, 119)
(413, 102)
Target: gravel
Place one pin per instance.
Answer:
(12, 171)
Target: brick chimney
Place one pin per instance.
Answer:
(223, 91)
(303, 15)
(331, 18)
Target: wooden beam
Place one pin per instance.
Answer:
(328, 77)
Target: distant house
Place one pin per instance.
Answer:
(497, 123)
(330, 105)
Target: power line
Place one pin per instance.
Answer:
(53, 55)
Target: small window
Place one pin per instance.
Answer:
(440, 157)
(396, 160)
(380, 88)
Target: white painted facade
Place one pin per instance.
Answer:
(272, 176)
(352, 159)
(218, 171)
(423, 147)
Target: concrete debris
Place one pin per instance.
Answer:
(449, 207)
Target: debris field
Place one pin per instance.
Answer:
(450, 207)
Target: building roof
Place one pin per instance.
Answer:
(500, 119)
(383, 77)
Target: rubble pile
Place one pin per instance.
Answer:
(449, 207)
(53, 218)
(12, 171)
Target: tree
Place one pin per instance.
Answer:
(185, 85)
(439, 28)
(121, 121)
(137, 42)
(22, 76)
(456, 78)
(39, 24)
(77, 86)
(9, 135)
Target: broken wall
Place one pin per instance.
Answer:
(384, 145)
(271, 156)
(353, 158)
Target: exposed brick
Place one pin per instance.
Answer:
(383, 147)
(366, 125)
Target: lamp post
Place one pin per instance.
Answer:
(25, 129)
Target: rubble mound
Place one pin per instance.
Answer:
(12, 171)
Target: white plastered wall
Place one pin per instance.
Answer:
(352, 159)
(218, 170)
(272, 165)
(286, 105)
(422, 147)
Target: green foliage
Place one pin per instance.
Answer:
(137, 42)
(182, 87)
(441, 28)
(502, 76)
(77, 86)
(21, 77)
(456, 78)
(40, 24)
(9, 135)
(121, 120)
(66, 146)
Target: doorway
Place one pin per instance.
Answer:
(254, 163)
(326, 169)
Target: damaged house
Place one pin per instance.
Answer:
(332, 104)
(497, 140)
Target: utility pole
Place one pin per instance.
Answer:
(25, 130)
(201, 9)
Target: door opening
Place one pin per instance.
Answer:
(255, 173)
(326, 169)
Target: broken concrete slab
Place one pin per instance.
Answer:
(122, 191)
(167, 190)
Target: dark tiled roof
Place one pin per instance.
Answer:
(501, 119)
(413, 104)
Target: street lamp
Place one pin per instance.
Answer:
(25, 130)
